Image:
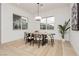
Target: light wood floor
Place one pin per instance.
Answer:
(18, 48)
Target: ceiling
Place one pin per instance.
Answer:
(44, 7)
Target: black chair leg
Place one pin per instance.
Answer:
(39, 44)
(25, 41)
(30, 42)
(33, 42)
(52, 42)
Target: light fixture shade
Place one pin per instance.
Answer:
(38, 18)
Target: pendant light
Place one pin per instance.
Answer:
(38, 18)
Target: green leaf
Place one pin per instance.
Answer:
(60, 29)
(67, 28)
(64, 28)
(66, 23)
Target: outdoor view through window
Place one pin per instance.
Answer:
(47, 23)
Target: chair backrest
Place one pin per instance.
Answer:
(40, 36)
(52, 35)
(25, 34)
(44, 36)
(32, 35)
(48, 36)
(36, 35)
(28, 35)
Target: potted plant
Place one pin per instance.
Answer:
(63, 29)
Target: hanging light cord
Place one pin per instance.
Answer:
(38, 8)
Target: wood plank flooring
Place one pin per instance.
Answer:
(18, 48)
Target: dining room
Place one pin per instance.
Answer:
(31, 29)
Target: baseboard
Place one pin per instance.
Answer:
(10, 41)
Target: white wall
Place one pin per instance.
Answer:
(0, 23)
(7, 32)
(74, 38)
(60, 14)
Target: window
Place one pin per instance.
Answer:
(50, 23)
(19, 22)
(47, 23)
(43, 24)
(24, 23)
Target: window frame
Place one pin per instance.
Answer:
(47, 23)
(20, 22)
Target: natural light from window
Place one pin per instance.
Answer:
(47, 23)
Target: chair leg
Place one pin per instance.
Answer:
(25, 40)
(30, 42)
(52, 42)
(33, 42)
(39, 44)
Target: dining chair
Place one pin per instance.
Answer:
(37, 39)
(25, 37)
(30, 37)
(44, 39)
(52, 38)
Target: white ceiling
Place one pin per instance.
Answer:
(44, 7)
